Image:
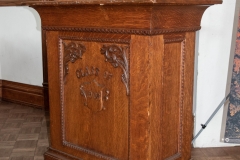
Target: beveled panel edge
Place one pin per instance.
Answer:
(181, 40)
(61, 78)
(64, 141)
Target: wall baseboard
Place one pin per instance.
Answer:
(20, 93)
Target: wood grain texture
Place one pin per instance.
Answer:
(171, 100)
(22, 93)
(188, 94)
(105, 125)
(139, 88)
(120, 79)
(158, 128)
(155, 93)
(53, 154)
(45, 71)
(95, 96)
(54, 100)
(137, 19)
(107, 2)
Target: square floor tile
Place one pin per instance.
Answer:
(10, 131)
(40, 150)
(38, 158)
(45, 129)
(8, 137)
(30, 130)
(26, 144)
(7, 144)
(31, 124)
(34, 119)
(43, 142)
(3, 120)
(44, 135)
(27, 137)
(11, 125)
(23, 158)
(5, 111)
(5, 152)
(22, 153)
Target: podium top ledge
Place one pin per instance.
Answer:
(106, 2)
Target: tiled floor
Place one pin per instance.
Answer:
(23, 132)
(24, 136)
(223, 153)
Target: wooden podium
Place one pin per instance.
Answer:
(120, 77)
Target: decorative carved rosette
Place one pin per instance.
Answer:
(117, 56)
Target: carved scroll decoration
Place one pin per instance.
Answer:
(117, 56)
(72, 52)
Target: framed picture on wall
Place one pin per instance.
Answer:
(232, 113)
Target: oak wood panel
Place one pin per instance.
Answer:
(146, 20)
(139, 88)
(105, 126)
(188, 94)
(67, 2)
(54, 102)
(54, 99)
(148, 114)
(171, 101)
(100, 107)
(22, 93)
(155, 94)
(53, 154)
(45, 71)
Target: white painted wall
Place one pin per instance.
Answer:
(20, 45)
(215, 60)
(0, 70)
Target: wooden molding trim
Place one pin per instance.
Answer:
(55, 155)
(26, 94)
(122, 31)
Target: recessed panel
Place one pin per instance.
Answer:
(95, 97)
(172, 100)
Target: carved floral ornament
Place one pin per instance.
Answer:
(72, 52)
(114, 54)
(117, 56)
